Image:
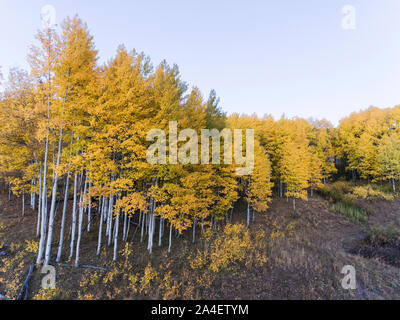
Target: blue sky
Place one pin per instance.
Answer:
(267, 57)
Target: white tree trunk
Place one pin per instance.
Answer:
(73, 225)
(170, 238)
(61, 241)
(44, 206)
(105, 209)
(40, 202)
(116, 237)
(150, 238)
(33, 196)
(194, 231)
(110, 220)
(248, 213)
(124, 228)
(147, 223)
(100, 228)
(89, 210)
(151, 228)
(160, 232)
(81, 209)
(23, 203)
(142, 231)
(53, 206)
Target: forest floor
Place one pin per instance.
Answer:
(290, 257)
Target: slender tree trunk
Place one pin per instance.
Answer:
(40, 202)
(116, 237)
(147, 223)
(100, 229)
(170, 238)
(81, 209)
(248, 213)
(23, 204)
(64, 213)
(73, 225)
(100, 206)
(151, 226)
(53, 203)
(160, 232)
(110, 220)
(61, 241)
(44, 205)
(89, 210)
(33, 197)
(128, 228)
(124, 227)
(294, 204)
(105, 210)
(142, 232)
(151, 233)
(194, 231)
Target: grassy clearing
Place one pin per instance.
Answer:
(349, 192)
(345, 197)
(352, 212)
(344, 202)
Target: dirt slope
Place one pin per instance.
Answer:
(304, 263)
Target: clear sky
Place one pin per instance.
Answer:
(264, 57)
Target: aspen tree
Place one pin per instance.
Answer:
(324, 136)
(42, 60)
(388, 158)
(259, 185)
(295, 171)
(315, 169)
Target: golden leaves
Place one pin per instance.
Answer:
(131, 203)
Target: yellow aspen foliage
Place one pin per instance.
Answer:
(259, 188)
(315, 168)
(295, 171)
(388, 158)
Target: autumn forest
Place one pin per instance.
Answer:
(73, 143)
